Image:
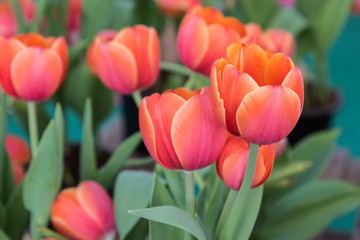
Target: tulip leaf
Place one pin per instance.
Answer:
(165, 215)
(307, 210)
(286, 171)
(107, 173)
(2, 215)
(50, 234)
(318, 148)
(3, 235)
(161, 197)
(259, 11)
(289, 19)
(177, 187)
(132, 190)
(16, 215)
(87, 152)
(43, 179)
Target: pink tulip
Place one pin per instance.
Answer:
(176, 7)
(180, 129)
(84, 213)
(233, 160)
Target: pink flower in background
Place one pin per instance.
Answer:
(8, 24)
(176, 7)
(75, 11)
(355, 9)
(287, 3)
(19, 154)
(84, 213)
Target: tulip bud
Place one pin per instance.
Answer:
(85, 212)
(204, 35)
(32, 67)
(127, 61)
(258, 94)
(232, 163)
(181, 130)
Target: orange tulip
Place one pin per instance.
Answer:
(176, 7)
(204, 35)
(8, 24)
(127, 61)
(19, 154)
(32, 67)
(84, 213)
(180, 129)
(277, 40)
(233, 160)
(258, 94)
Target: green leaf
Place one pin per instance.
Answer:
(3, 235)
(259, 11)
(136, 184)
(107, 173)
(318, 148)
(2, 215)
(43, 179)
(17, 216)
(50, 234)
(166, 215)
(247, 219)
(286, 171)
(160, 197)
(177, 187)
(289, 19)
(309, 209)
(87, 152)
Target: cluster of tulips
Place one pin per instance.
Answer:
(254, 101)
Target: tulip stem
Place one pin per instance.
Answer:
(190, 197)
(137, 98)
(237, 209)
(33, 128)
(19, 16)
(190, 82)
(176, 68)
(42, 5)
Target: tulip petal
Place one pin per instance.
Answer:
(33, 40)
(36, 73)
(153, 50)
(60, 47)
(264, 164)
(194, 130)
(250, 59)
(17, 149)
(156, 115)
(234, 87)
(215, 78)
(193, 41)
(220, 37)
(268, 114)
(278, 67)
(71, 220)
(115, 66)
(97, 204)
(8, 49)
(294, 81)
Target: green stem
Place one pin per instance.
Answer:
(137, 98)
(199, 179)
(19, 16)
(42, 5)
(176, 68)
(225, 213)
(33, 128)
(139, 163)
(190, 198)
(190, 82)
(241, 197)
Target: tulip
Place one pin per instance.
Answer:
(127, 61)
(286, 3)
(280, 147)
(355, 8)
(32, 67)
(232, 163)
(85, 213)
(75, 9)
(258, 94)
(19, 154)
(175, 8)
(277, 40)
(8, 23)
(180, 129)
(204, 35)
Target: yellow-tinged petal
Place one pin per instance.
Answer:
(294, 81)
(278, 67)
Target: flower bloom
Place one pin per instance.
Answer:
(280, 147)
(204, 35)
(180, 128)
(355, 8)
(85, 212)
(286, 3)
(19, 154)
(277, 40)
(75, 9)
(258, 94)
(32, 67)
(176, 7)
(232, 163)
(8, 24)
(128, 60)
